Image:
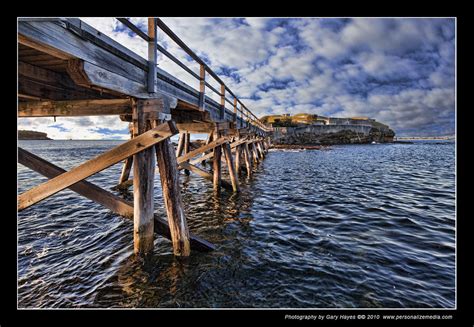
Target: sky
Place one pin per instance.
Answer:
(400, 71)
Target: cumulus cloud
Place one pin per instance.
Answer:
(399, 71)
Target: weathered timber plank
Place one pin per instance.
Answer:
(187, 142)
(84, 188)
(112, 202)
(181, 140)
(43, 91)
(47, 78)
(172, 197)
(202, 127)
(127, 166)
(103, 78)
(216, 165)
(53, 38)
(225, 184)
(143, 204)
(143, 180)
(75, 108)
(260, 149)
(96, 164)
(202, 149)
(238, 154)
(40, 46)
(211, 154)
(100, 39)
(230, 167)
(247, 158)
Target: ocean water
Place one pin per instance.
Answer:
(356, 226)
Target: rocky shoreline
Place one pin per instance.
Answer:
(331, 135)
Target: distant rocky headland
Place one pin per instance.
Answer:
(308, 129)
(32, 135)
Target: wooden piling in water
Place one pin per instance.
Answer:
(260, 149)
(238, 153)
(247, 159)
(143, 178)
(172, 197)
(253, 152)
(187, 141)
(209, 140)
(180, 147)
(127, 165)
(216, 166)
(230, 167)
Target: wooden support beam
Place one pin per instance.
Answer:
(211, 154)
(248, 165)
(179, 150)
(259, 150)
(253, 152)
(216, 166)
(172, 197)
(230, 167)
(200, 127)
(74, 108)
(238, 154)
(204, 174)
(187, 142)
(143, 185)
(262, 148)
(209, 140)
(112, 202)
(127, 167)
(96, 164)
(84, 188)
(203, 127)
(202, 149)
(44, 84)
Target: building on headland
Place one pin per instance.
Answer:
(308, 129)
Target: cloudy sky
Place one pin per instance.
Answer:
(399, 71)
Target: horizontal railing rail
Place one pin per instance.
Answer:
(246, 115)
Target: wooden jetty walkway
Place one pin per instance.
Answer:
(67, 68)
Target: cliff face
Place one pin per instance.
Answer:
(32, 135)
(331, 134)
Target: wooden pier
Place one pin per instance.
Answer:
(67, 68)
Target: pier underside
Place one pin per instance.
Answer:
(66, 68)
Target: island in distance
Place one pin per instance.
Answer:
(32, 135)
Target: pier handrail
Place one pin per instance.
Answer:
(245, 113)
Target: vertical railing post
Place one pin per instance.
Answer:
(152, 55)
(235, 111)
(202, 86)
(222, 101)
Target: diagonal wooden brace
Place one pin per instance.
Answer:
(96, 164)
(109, 200)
